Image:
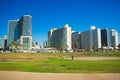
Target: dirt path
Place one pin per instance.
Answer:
(94, 58)
(12, 75)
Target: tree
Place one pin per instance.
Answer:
(19, 47)
(13, 46)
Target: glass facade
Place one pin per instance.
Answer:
(13, 31)
(26, 44)
(105, 37)
(18, 28)
(25, 25)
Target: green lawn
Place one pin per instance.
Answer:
(54, 63)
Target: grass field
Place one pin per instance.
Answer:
(55, 63)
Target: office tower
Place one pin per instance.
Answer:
(114, 38)
(105, 38)
(19, 31)
(45, 44)
(25, 23)
(4, 42)
(13, 31)
(91, 39)
(75, 41)
(60, 38)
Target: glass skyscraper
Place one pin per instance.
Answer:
(13, 31)
(105, 38)
(20, 31)
(25, 25)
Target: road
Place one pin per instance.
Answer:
(93, 58)
(14, 75)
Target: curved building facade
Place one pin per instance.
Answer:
(60, 38)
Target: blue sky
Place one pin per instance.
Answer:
(47, 14)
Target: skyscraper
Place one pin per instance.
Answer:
(91, 38)
(25, 23)
(105, 38)
(60, 38)
(76, 40)
(20, 32)
(96, 38)
(4, 42)
(45, 43)
(13, 31)
(114, 38)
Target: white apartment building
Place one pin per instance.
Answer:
(91, 38)
(60, 38)
(114, 38)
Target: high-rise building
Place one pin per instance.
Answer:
(13, 31)
(91, 39)
(96, 38)
(45, 43)
(20, 32)
(60, 38)
(114, 38)
(76, 40)
(4, 42)
(105, 38)
(85, 39)
(25, 25)
(25, 31)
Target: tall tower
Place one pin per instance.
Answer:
(114, 38)
(105, 38)
(20, 32)
(67, 36)
(91, 38)
(50, 38)
(95, 37)
(4, 42)
(60, 38)
(25, 32)
(25, 25)
(13, 31)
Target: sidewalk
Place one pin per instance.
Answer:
(94, 58)
(13, 75)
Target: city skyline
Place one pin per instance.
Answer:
(47, 14)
